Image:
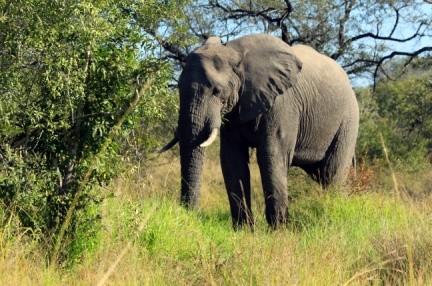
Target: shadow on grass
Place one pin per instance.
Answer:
(304, 214)
(218, 217)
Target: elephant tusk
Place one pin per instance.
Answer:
(168, 146)
(211, 138)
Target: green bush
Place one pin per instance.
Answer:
(400, 112)
(77, 78)
(408, 103)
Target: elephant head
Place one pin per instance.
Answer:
(243, 77)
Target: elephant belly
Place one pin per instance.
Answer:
(312, 146)
(317, 129)
(307, 157)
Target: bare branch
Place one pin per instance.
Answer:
(396, 21)
(341, 35)
(387, 38)
(393, 54)
(175, 51)
(242, 13)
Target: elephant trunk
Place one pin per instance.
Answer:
(191, 160)
(197, 124)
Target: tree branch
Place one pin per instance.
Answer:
(176, 52)
(341, 34)
(393, 54)
(386, 38)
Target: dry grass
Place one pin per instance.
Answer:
(363, 237)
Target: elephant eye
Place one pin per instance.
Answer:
(216, 91)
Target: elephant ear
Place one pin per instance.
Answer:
(268, 73)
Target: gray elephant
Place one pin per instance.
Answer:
(293, 104)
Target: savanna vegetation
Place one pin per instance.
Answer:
(88, 93)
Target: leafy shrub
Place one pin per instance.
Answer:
(76, 79)
(399, 111)
(408, 103)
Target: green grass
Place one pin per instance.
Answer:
(339, 237)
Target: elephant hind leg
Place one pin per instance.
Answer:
(334, 168)
(314, 171)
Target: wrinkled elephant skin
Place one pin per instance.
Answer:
(293, 104)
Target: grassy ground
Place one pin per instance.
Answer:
(364, 234)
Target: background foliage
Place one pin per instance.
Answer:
(401, 112)
(362, 35)
(68, 69)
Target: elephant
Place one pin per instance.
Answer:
(295, 106)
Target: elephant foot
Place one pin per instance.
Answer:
(277, 219)
(244, 222)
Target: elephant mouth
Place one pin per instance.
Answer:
(211, 138)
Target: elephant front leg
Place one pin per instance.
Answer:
(235, 169)
(273, 164)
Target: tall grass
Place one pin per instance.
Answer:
(362, 234)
